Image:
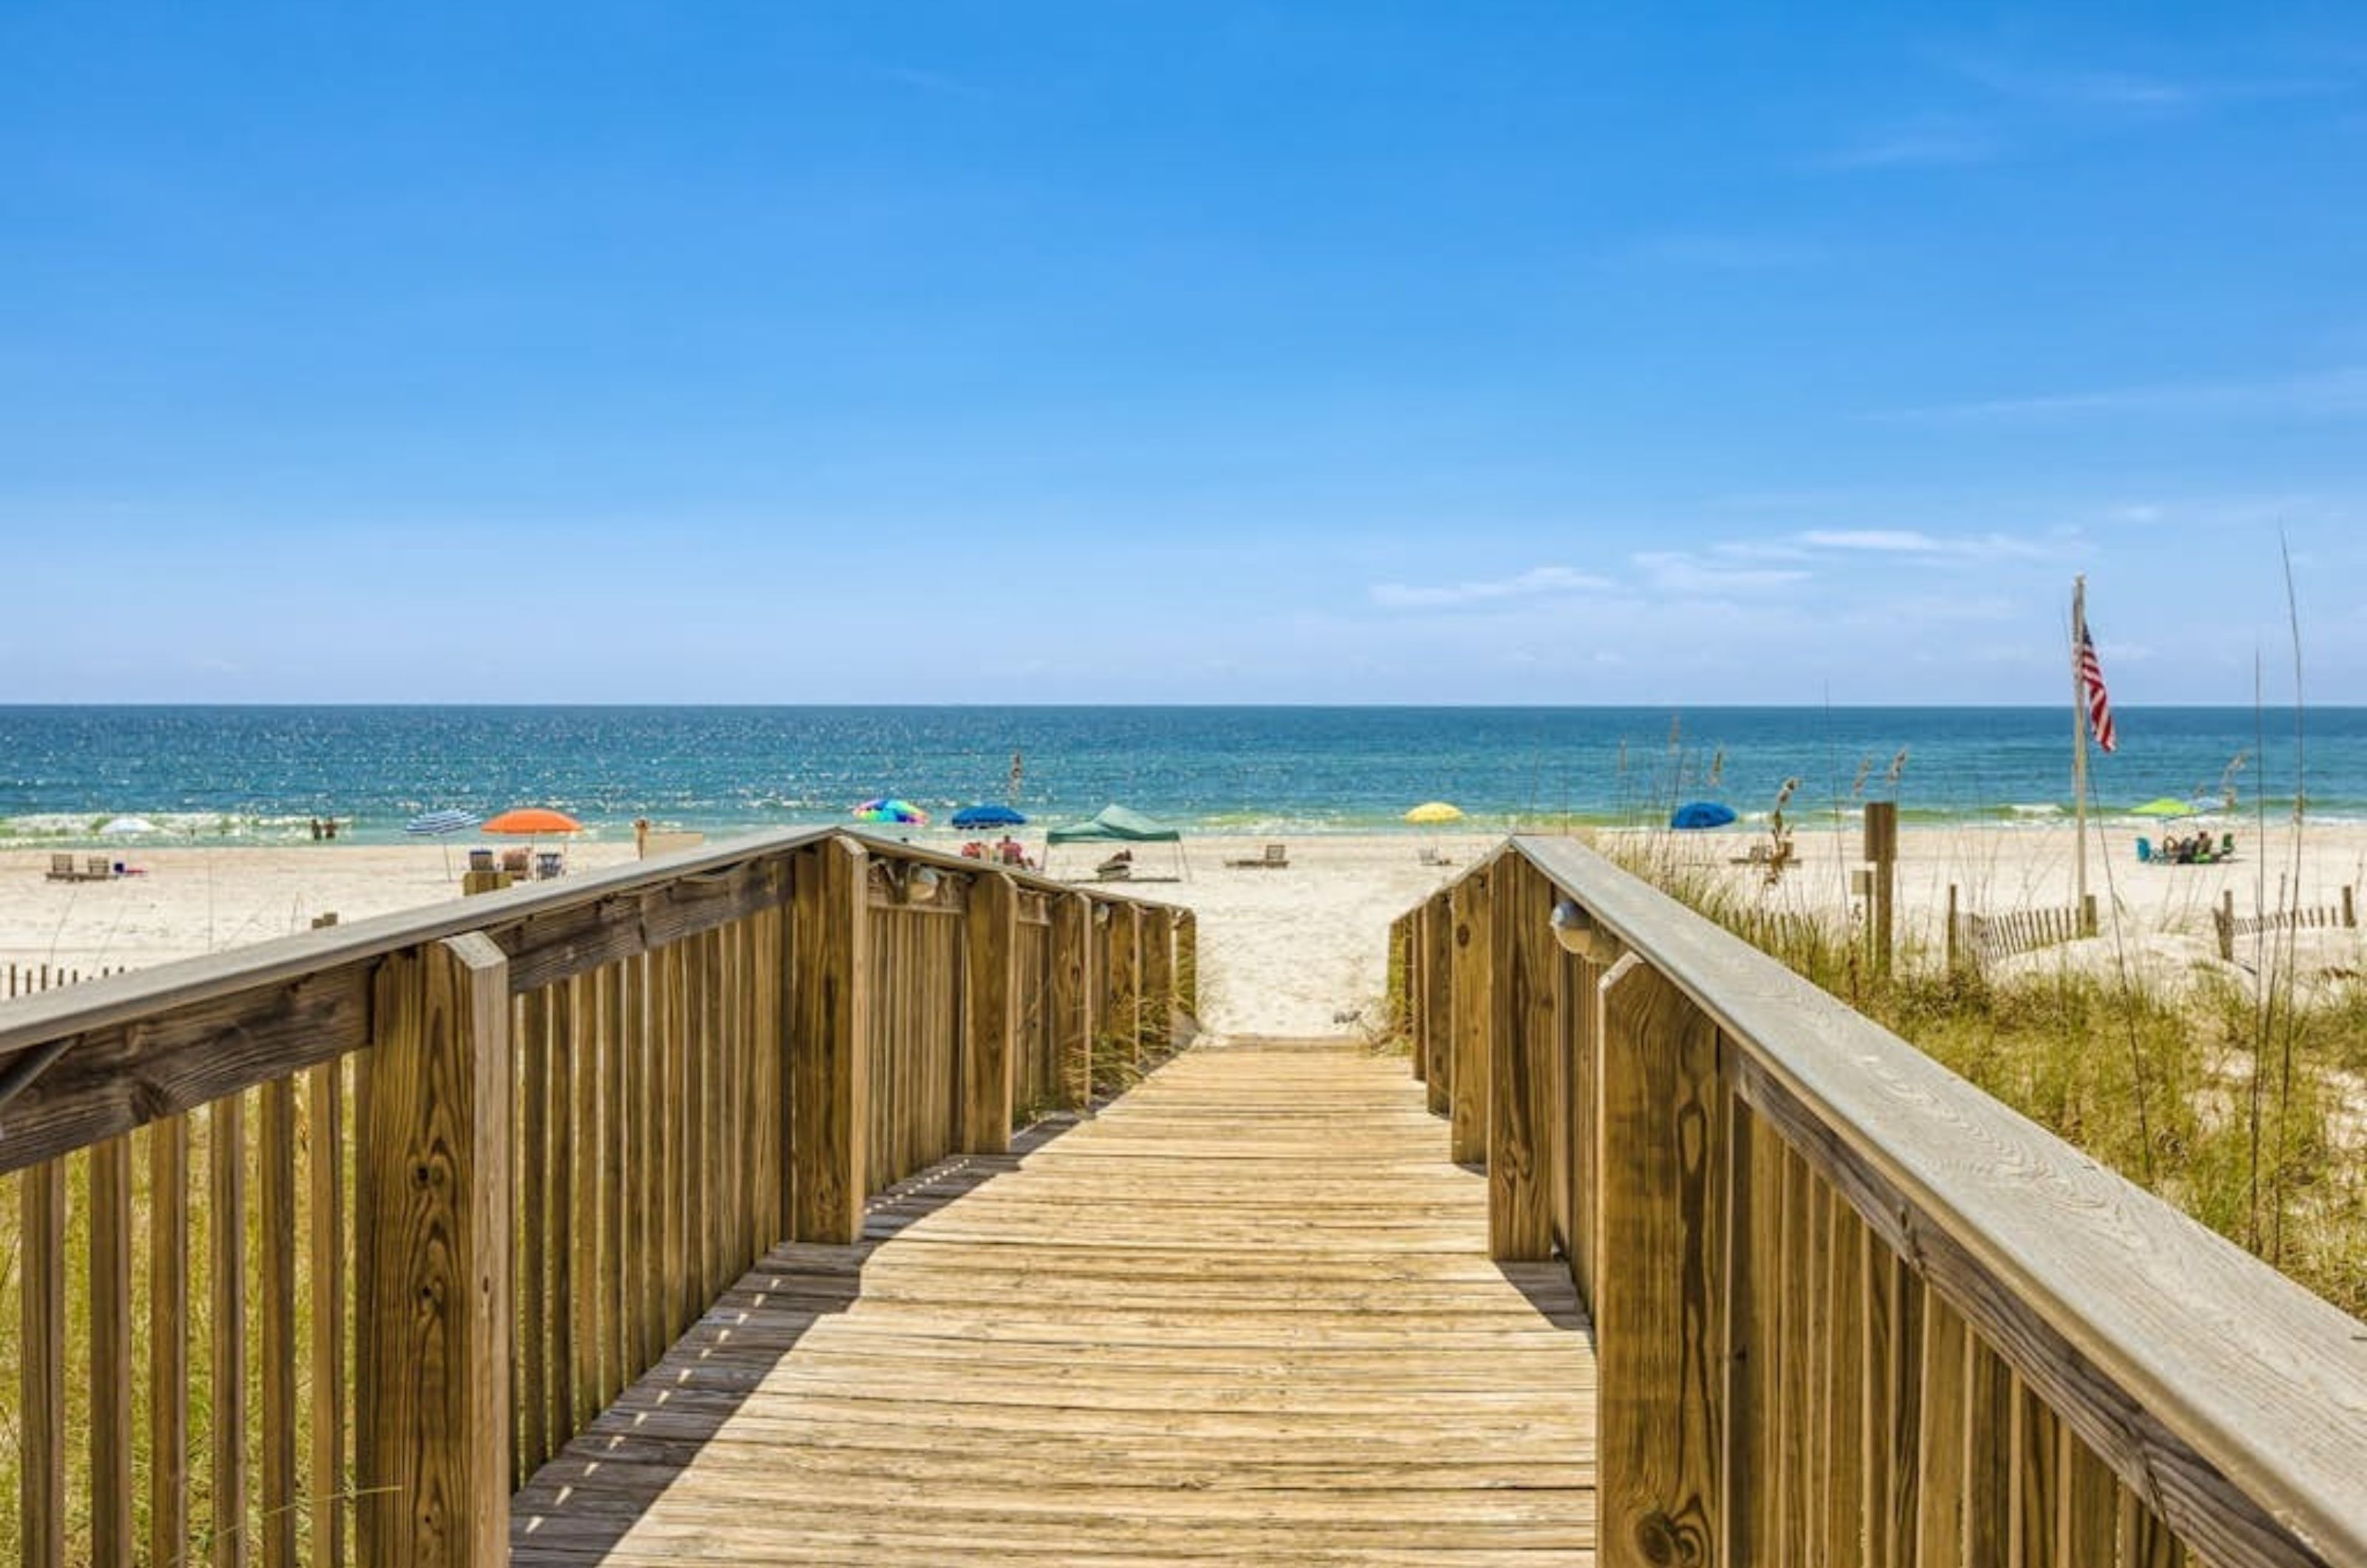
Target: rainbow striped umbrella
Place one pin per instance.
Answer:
(889, 809)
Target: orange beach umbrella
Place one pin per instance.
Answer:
(529, 820)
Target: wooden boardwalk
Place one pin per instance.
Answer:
(1245, 1315)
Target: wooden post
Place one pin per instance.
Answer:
(1438, 1001)
(1954, 955)
(432, 1302)
(1072, 998)
(2089, 925)
(1467, 1095)
(1521, 1076)
(829, 1063)
(1122, 997)
(1660, 1307)
(2349, 909)
(991, 1016)
(1188, 963)
(1158, 935)
(1882, 849)
(2226, 921)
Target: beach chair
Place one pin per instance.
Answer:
(548, 865)
(101, 869)
(62, 869)
(1276, 858)
(519, 864)
(1117, 868)
(2145, 851)
(1430, 856)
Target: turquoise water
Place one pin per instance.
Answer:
(259, 775)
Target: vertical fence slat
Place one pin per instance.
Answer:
(533, 1368)
(109, 1242)
(324, 1099)
(580, 1024)
(615, 1193)
(1845, 1534)
(226, 1428)
(168, 1340)
(276, 1195)
(41, 1432)
(1989, 1460)
(1942, 1457)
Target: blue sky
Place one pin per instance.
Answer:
(1355, 352)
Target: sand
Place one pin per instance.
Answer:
(1297, 950)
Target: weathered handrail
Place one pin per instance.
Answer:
(1848, 1308)
(522, 1141)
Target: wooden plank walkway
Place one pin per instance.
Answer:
(1245, 1315)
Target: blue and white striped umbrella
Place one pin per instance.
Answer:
(436, 824)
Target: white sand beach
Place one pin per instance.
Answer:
(1290, 951)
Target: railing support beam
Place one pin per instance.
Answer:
(1660, 1307)
(829, 1065)
(1158, 928)
(432, 1308)
(1073, 990)
(991, 1012)
(1467, 1044)
(1520, 1077)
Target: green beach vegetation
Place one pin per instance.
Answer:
(2242, 1101)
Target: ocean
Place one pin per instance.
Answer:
(261, 774)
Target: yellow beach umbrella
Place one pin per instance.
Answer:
(1434, 811)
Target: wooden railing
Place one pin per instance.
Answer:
(1847, 1308)
(322, 1246)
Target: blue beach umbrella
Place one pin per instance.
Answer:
(1698, 814)
(436, 824)
(441, 824)
(989, 817)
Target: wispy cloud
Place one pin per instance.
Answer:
(1915, 542)
(1929, 141)
(1710, 575)
(2333, 394)
(1535, 583)
(2111, 91)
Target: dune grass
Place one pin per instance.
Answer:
(2242, 1103)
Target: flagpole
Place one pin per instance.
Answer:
(2079, 737)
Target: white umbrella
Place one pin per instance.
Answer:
(126, 825)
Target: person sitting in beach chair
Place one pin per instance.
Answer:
(1117, 868)
(1009, 851)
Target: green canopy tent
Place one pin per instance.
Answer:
(1117, 825)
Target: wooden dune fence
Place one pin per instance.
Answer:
(1847, 1308)
(1981, 941)
(318, 1248)
(2230, 928)
(24, 979)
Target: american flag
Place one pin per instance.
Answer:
(2091, 687)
